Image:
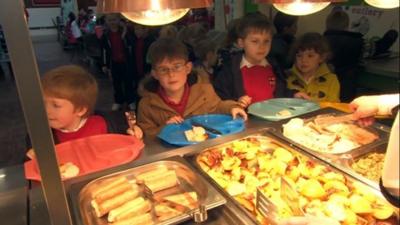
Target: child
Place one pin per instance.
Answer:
(286, 28)
(206, 53)
(70, 95)
(173, 93)
(251, 77)
(116, 54)
(310, 75)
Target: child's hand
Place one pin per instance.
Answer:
(174, 120)
(31, 154)
(137, 132)
(238, 112)
(302, 95)
(244, 101)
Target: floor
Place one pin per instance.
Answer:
(49, 54)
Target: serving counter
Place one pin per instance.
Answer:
(29, 204)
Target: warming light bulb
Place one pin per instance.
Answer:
(155, 17)
(300, 8)
(384, 4)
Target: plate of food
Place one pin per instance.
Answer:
(282, 108)
(200, 128)
(91, 154)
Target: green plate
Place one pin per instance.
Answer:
(269, 109)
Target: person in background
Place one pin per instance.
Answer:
(286, 28)
(70, 94)
(141, 42)
(206, 53)
(174, 93)
(72, 30)
(347, 50)
(229, 46)
(190, 35)
(116, 54)
(168, 31)
(252, 76)
(365, 108)
(310, 76)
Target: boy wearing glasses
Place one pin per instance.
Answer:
(174, 92)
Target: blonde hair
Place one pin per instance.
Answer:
(72, 83)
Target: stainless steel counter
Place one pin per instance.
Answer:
(154, 150)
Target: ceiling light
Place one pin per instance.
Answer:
(300, 7)
(384, 4)
(151, 12)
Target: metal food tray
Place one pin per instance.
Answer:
(345, 162)
(380, 130)
(188, 181)
(264, 134)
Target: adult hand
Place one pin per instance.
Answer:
(174, 120)
(239, 112)
(308, 220)
(302, 95)
(244, 101)
(364, 109)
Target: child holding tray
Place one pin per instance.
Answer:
(174, 92)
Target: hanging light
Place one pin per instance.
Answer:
(384, 4)
(151, 12)
(300, 7)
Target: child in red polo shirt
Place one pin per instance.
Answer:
(251, 76)
(174, 93)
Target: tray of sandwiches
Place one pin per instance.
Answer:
(259, 163)
(330, 140)
(163, 192)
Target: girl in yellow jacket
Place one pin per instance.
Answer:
(310, 75)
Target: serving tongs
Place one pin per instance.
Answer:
(198, 214)
(291, 197)
(333, 119)
(266, 208)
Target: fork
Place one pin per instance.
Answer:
(267, 208)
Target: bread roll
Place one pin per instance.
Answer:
(132, 208)
(107, 194)
(112, 203)
(109, 185)
(159, 171)
(188, 199)
(167, 180)
(144, 219)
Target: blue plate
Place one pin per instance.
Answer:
(269, 109)
(174, 133)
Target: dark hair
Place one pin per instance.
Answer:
(253, 22)
(281, 21)
(167, 48)
(337, 20)
(203, 47)
(232, 32)
(71, 16)
(314, 41)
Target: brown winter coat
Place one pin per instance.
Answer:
(153, 112)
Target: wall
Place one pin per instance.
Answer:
(41, 17)
(381, 20)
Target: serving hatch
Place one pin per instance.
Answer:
(191, 197)
(254, 162)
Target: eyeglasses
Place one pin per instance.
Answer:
(163, 71)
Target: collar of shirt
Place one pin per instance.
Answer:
(246, 63)
(81, 124)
